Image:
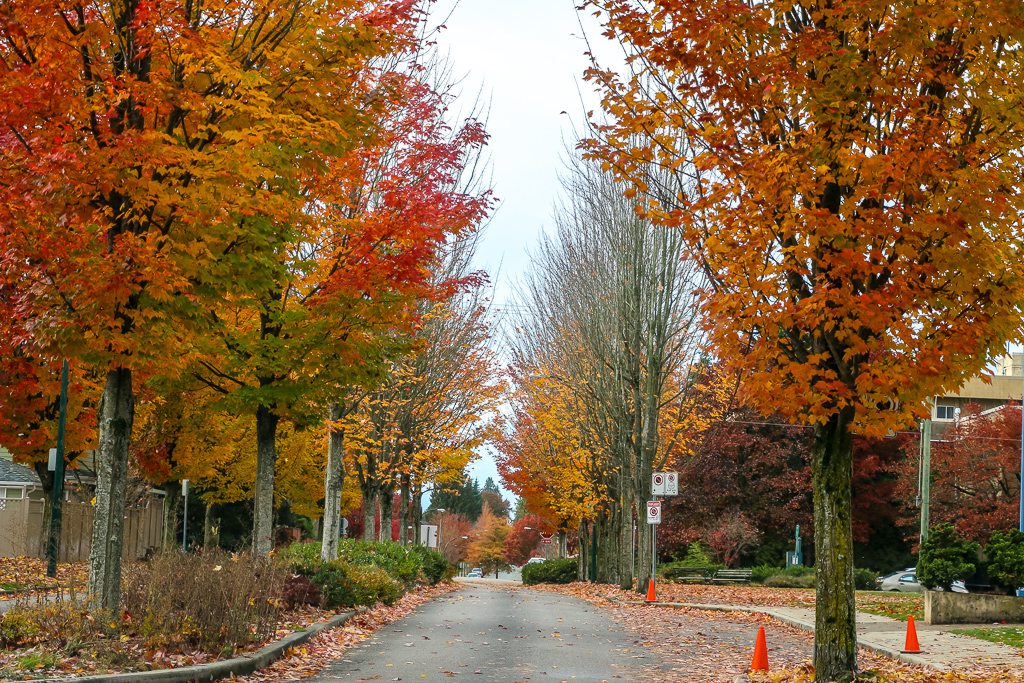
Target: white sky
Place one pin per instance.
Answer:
(529, 57)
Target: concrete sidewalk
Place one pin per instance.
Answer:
(940, 649)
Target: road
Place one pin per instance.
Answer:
(495, 632)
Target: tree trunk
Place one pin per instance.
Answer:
(46, 479)
(403, 511)
(370, 494)
(334, 480)
(626, 540)
(172, 500)
(387, 507)
(835, 638)
(583, 563)
(417, 516)
(116, 415)
(266, 461)
(211, 535)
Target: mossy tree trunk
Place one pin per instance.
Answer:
(835, 642)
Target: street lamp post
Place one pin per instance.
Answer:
(440, 526)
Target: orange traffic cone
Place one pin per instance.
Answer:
(760, 662)
(912, 647)
(651, 597)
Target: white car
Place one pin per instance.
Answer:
(476, 574)
(906, 582)
(535, 560)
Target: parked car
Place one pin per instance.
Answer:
(534, 560)
(476, 573)
(906, 582)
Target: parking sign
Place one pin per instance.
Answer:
(654, 512)
(671, 484)
(658, 484)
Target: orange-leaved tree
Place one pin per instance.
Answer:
(151, 152)
(846, 175)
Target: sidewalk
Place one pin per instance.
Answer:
(940, 649)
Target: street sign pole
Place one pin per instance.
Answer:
(57, 494)
(654, 553)
(184, 519)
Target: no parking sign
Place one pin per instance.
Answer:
(658, 484)
(654, 512)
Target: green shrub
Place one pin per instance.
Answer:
(550, 571)
(1006, 559)
(864, 579)
(945, 558)
(798, 570)
(397, 560)
(372, 585)
(336, 587)
(790, 581)
(761, 573)
(434, 566)
(697, 557)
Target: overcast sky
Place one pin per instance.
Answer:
(529, 57)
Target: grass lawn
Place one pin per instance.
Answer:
(1014, 637)
(892, 605)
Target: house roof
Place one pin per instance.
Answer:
(12, 474)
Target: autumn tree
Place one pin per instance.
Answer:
(846, 180)
(522, 540)
(151, 154)
(487, 548)
(976, 472)
(613, 318)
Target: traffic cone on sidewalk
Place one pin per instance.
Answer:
(760, 662)
(651, 597)
(912, 647)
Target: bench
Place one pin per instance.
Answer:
(732, 576)
(688, 574)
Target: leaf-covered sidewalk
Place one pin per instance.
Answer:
(716, 646)
(19, 575)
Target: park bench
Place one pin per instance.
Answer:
(688, 574)
(732, 576)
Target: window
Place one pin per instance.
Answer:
(944, 412)
(908, 578)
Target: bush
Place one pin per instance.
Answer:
(14, 628)
(697, 557)
(784, 580)
(945, 558)
(762, 573)
(336, 588)
(864, 580)
(1006, 559)
(372, 585)
(550, 571)
(209, 600)
(435, 567)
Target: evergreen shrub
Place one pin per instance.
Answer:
(549, 571)
(945, 557)
(1005, 550)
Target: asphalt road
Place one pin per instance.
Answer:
(500, 633)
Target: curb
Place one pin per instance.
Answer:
(239, 666)
(877, 648)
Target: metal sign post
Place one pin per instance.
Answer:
(654, 519)
(184, 519)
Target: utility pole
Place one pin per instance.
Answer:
(926, 475)
(57, 496)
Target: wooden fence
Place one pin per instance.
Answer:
(21, 529)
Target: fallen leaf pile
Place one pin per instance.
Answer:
(715, 646)
(28, 574)
(885, 671)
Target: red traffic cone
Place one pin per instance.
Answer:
(912, 647)
(651, 597)
(760, 662)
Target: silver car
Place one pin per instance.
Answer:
(906, 582)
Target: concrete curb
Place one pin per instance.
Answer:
(877, 648)
(239, 666)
